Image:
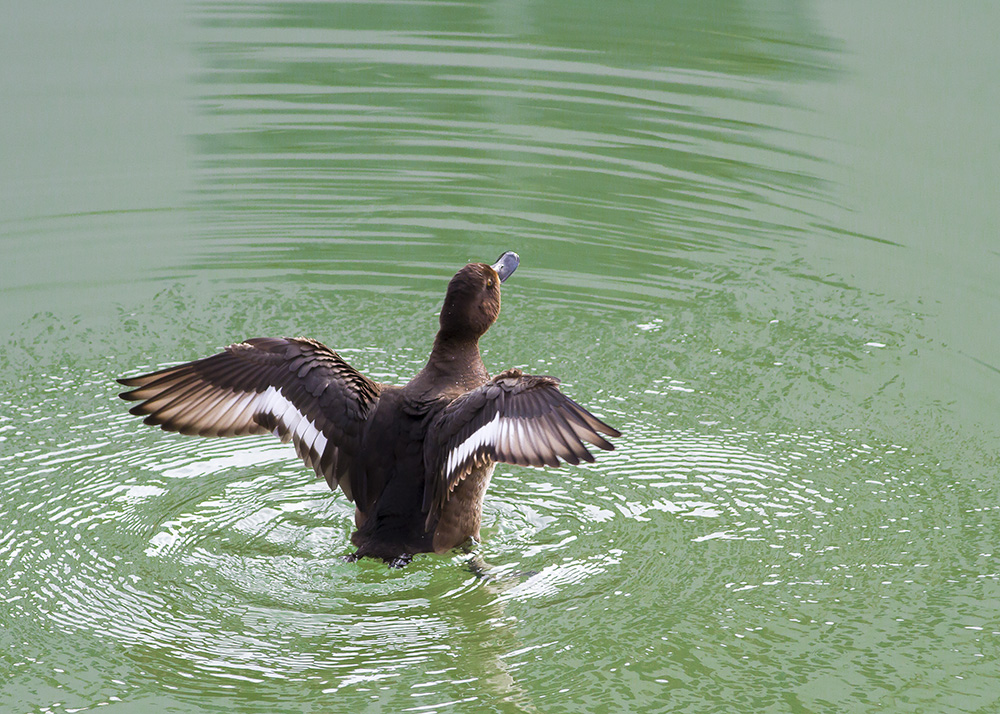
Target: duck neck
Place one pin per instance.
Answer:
(456, 361)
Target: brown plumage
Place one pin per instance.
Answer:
(415, 460)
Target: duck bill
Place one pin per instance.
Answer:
(506, 264)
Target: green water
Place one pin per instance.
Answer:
(760, 239)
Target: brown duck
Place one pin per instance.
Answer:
(415, 460)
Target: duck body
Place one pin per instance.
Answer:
(395, 524)
(416, 460)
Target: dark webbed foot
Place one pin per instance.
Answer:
(400, 561)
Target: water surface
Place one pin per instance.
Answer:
(760, 240)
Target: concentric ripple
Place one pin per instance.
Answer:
(225, 555)
(799, 515)
(222, 560)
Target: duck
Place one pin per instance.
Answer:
(416, 459)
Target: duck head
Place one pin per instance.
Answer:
(472, 302)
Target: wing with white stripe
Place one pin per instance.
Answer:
(515, 418)
(298, 389)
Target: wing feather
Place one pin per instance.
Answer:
(516, 418)
(299, 389)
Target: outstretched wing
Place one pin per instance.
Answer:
(516, 418)
(298, 389)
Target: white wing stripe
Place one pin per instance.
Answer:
(486, 434)
(273, 402)
(503, 439)
(303, 427)
(319, 446)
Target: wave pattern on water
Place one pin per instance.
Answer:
(328, 144)
(760, 525)
(220, 560)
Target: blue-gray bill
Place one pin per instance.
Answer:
(506, 264)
